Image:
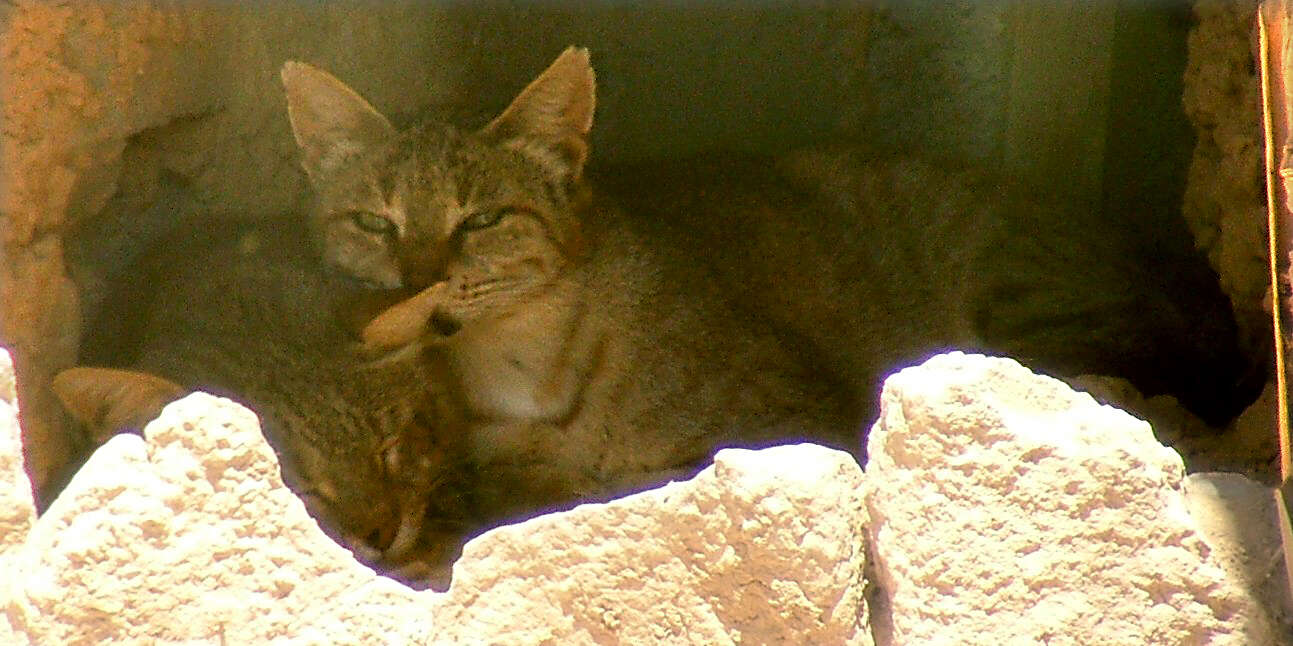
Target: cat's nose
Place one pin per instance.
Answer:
(422, 269)
(406, 534)
(383, 528)
(444, 324)
(380, 539)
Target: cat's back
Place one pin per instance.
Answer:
(827, 249)
(877, 260)
(247, 311)
(250, 309)
(777, 231)
(261, 281)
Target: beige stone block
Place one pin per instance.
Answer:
(1007, 508)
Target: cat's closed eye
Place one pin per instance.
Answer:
(483, 219)
(372, 223)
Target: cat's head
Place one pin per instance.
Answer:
(390, 489)
(491, 211)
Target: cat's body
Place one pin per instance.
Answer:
(627, 379)
(586, 361)
(596, 347)
(247, 312)
(877, 260)
(723, 297)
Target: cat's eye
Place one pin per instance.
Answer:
(483, 220)
(372, 223)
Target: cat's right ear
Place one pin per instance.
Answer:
(551, 118)
(330, 121)
(107, 401)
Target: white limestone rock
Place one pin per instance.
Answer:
(1239, 520)
(1006, 508)
(1001, 507)
(763, 547)
(8, 385)
(188, 534)
(17, 504)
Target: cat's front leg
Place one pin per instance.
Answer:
(405, 321)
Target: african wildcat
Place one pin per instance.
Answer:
(584, 367)
(247, 313)
(738, 301)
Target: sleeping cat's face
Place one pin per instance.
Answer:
(488, 213)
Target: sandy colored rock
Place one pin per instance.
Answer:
(1007, 508)
(1237, 517)
(763, 547)
(17, 509)
(196, 510)
(1224, 202)
(65, 120)
(1249, 442)
(1171, 421)
(8, 386)
(1000, 507)
(188, 535)
(1247, 445)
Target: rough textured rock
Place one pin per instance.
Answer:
(1007, 508)
(1171, 421)
(1224, 200)
(1246, 446)
(1238, 518)
(197, 509)
(1002, 507)
(8, 386)
(17, 509)
(763, 547)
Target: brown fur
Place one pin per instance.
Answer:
(247, 313)
(877, 260)
(585, 369)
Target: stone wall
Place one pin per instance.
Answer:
(998, 507)
(1225, 203)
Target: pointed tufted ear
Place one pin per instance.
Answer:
(330, 121)
(551, 118)
(107, 401)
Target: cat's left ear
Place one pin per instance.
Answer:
(106, 400)
(551, 118)
(330, 121)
